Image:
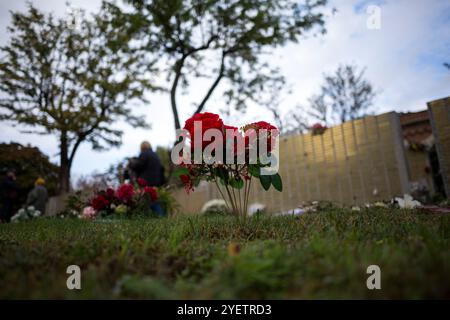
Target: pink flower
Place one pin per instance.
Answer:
(88, 213)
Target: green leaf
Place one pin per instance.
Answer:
(181, 171)
(265, 181)
(253, 170)
(276, 182)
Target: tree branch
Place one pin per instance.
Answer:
(178, 72)
(214, 84)
(82, 135)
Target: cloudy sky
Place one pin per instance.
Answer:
(404, 60)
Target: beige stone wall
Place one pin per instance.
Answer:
(440, 121)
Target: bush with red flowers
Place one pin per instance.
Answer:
(126, 199)
(233, 180)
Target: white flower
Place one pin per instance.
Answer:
(295, 212)
(255, 208)
(214, 206)
(407, 202)
(356, 208)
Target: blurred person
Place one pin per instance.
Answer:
(147, 166)
(8, 193)
(38, 196)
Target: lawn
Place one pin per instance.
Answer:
(320, 255)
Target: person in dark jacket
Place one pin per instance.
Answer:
(149, 168)
(38, 196)
(8, 193)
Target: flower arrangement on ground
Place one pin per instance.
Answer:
(228, 156)
(26, 214)
(127, 199)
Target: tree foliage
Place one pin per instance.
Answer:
(28, 163)
(344, 95)
(72, 77)
(223, 41)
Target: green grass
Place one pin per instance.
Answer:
(323, 255)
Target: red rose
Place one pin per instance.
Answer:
(141, 182)
(125, 192)
(251, 138)
(151, 191)
(99, 202)
(208, 120)
(264, 125)
(110, 193)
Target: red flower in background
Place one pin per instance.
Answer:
(100, 202)
(125, 192)
(151, 191)
(110, 193)
(141, 182)
(318, 129)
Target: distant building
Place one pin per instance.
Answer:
(423, 165)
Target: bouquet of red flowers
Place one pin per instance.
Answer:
(124, 200)
(230, 157)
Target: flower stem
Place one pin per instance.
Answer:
(221, 193)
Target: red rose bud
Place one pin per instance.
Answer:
(187, 182)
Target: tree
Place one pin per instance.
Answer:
(29, 163)
(71, 77)
(237, 35)
(295, 122)
(345, 95)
